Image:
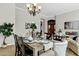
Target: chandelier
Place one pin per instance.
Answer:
(33, 8)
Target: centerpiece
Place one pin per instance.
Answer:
(33, 27)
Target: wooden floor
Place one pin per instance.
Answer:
(7, 51)
(10, 51)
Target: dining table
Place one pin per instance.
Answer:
(35, 45)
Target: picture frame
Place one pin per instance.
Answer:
(27, 25)
(74, 25)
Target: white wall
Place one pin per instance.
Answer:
(7, 14)
(23, 17)
(10, 12)
(70, 16)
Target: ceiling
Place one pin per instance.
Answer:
(53, 9)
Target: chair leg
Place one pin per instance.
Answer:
(16, 52)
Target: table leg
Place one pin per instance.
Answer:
(35, 52)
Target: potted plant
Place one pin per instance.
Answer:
(6, 30)
(33, 27)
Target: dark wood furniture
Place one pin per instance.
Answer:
(51, 28)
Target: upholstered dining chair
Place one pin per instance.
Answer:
(21, 49)
(16, 45)
(60, 48)
(21, 46)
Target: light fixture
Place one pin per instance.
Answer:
(33, 8)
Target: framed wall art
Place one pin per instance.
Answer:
(71, 25)
(27, 25)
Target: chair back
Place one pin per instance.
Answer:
(19, 45)
(16, 45)
(15, 38)
(60, 48)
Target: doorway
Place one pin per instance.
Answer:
(42, 26)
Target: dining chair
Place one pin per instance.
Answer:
(16, 45)
(60, 48)
(21, 49)
(21, 46)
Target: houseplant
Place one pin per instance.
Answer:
(6, 30)
(33, 27)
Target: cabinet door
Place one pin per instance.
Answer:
(51, 25)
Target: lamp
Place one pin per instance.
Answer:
(33, 8)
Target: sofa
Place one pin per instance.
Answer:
(73, 45)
